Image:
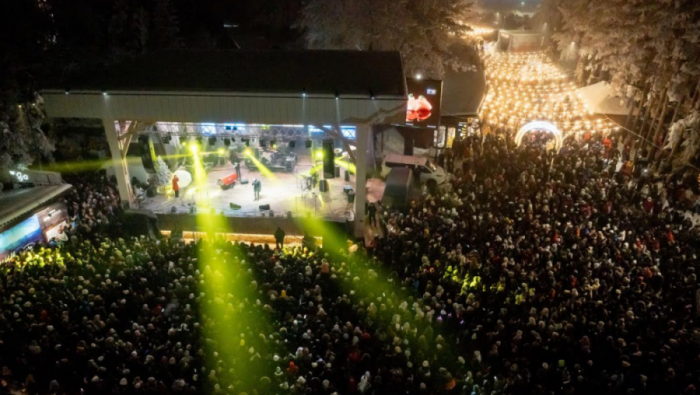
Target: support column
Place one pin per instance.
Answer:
(361, 142)
(121, 170)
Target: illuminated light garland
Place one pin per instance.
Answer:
(540, 125)
(528, 87)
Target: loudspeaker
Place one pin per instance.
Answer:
(234, 206)
(323, 186)
(408, 143)
(148, 154)
(264, 207)
(328, 159)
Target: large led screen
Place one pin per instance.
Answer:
(424, 99)
(21, 236)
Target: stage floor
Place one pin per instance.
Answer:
(283, 193)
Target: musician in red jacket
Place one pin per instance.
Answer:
(176, 186)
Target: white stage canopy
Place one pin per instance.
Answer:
(601, 99)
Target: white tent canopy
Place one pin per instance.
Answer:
(601, 99)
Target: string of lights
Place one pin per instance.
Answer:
(527, 87)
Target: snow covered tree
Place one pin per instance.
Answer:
(22, 139)
(163, 173)
(166, 26)
(419, 29)
(684, 136)
(649, 50)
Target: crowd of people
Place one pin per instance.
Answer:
(535, 273)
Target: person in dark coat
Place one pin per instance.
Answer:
(372, 214)
(279, 238)
(257, 186)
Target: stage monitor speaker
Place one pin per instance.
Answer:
(323, 186)
(328, 159)
(148, 154)
(140, 222)
(234, 206)
(264, 207)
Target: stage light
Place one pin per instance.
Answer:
(246, 141)
(227, 141)
(292, 144)
(221, 151)
(104, 93)
(273, 142)
(308, 143)
(262, 143)
(419, 76)
(212, 140)
(199, 140)
(319, 154)
(194, 148)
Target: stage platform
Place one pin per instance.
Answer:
(282, 191)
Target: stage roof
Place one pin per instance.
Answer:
(248, 71)
(254, 87)
(17, 203)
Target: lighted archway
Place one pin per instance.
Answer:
(543, 126)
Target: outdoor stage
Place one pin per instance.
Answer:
(283, 191)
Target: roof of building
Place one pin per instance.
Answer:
(521, 32)
(15, 204)
(248, 71)
(463, 93)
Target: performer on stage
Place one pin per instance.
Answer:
(238, 169)
(257, 186)
(176, 186)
